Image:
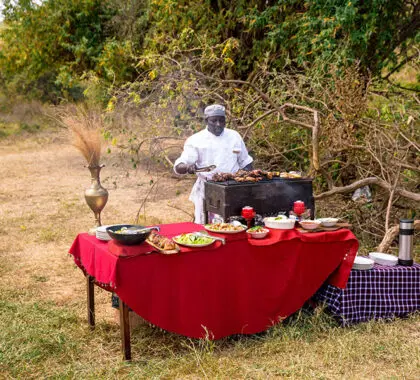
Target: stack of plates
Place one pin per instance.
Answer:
(383, 259)
(362, 263)
(101, 233)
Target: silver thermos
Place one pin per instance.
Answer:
(405, 252)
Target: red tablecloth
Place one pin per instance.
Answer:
(242, 287)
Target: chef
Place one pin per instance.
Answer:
(215, 145)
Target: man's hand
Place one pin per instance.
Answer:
(191, 169)
(185, 168)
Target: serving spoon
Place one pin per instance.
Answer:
(205, 234)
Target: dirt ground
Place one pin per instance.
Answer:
(42, 209)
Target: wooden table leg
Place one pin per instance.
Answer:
(125, 330)
(90, 284)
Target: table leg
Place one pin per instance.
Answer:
(90, 284)
(125, 330)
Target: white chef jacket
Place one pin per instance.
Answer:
(227, 151)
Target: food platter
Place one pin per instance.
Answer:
(193, 241)
(162, 243)
(224, 228)
(164, 251)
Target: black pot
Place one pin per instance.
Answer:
(130, 239)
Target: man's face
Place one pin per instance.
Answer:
(216, 124)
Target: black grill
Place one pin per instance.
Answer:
(267, 197)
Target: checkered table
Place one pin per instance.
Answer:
(380, 293)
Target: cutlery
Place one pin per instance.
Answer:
(205, 234)
(205, 169)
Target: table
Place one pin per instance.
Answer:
(243, 287)
(380, 293)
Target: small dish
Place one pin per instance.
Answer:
(328, 222)
(258, 233)
(310, 224)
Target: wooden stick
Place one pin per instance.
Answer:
(125, 331)
(90, 284)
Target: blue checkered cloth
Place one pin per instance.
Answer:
(380, 293)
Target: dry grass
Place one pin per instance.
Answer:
(43, 329)
(85, 129)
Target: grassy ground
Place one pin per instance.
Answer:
(43, 329)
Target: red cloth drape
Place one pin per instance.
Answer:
(244, 286)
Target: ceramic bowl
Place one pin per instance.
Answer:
(328, 222)
(259, 234)
(310, 224)
(281, 224)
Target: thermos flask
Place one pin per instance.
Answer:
(405, 252)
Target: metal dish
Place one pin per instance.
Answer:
(135, 234)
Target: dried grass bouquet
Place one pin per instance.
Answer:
(85, 129)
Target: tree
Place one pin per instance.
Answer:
(57, 41)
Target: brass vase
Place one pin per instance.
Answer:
(96, 196)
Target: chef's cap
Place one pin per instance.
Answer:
(214, 110)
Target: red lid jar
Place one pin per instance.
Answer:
(248, 212)
(299, 207)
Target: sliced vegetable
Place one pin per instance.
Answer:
(193, 239)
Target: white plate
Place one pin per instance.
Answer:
(102, 229)
(104, 238)
(363, 263)
(383, 258)
(224, 231)
(192, 245)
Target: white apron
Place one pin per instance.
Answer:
(227, 152)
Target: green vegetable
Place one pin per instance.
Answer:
(192, 239)
(256, 229)
(280, 217)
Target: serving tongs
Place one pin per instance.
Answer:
(205, 234)
(205, 169)
(142, 229)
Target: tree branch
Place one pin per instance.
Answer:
(401, 64)
(391, 234)
(368, 181)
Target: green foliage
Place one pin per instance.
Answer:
(49, 46)
(288, 32)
